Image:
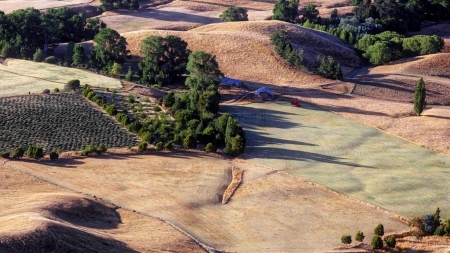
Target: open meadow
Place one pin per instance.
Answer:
(20, 77)
(346, 156)
(269, 211)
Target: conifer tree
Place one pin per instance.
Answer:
(419, 97)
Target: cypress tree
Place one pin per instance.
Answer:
(419, 97)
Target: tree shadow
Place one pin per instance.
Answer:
(165, 15)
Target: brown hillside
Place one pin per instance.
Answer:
(244, 51)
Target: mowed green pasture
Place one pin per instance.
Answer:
(65, 121)
(346, 156)
(21, 77)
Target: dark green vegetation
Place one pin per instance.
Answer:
(35, 152)
(359, 236)
(89, 149)
(327, 66)
(234, 14)
(431, 224)
(419, 97)
(377, 242)
(286, 10)
(164, 59)
(119, 4)
(379, 230)
(110, 48)
(30, 33)
(63, 121)
(346, 239)
(72, 85)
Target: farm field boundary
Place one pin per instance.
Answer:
(345, 156)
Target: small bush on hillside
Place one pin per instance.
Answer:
(156, 108)
(359, 236)
(417, 226)
(142, 146)
(54, 155)
(189, 142)
(111, 109)
(55, 90)
(102, 148)
(210, 147)
(346, 239)
(4, 154)
(376, 242)
(50, 59)
(85, 153)
(329, 68)
(72, 85)
(159, 146)
(391, 242)
(429, 226)
(379, 230)
(234, 14)
(129, 74)
(168, 145)
(35, 152)
(38, 56)
(18, 152)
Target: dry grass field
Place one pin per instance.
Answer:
(20, 77)
(45, 217)
(8, 6)
(345, 156)
(268, 212)
(243, 50)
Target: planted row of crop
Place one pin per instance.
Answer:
(63, 121)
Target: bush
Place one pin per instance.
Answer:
(159, 146)
(346, 239)
(234, 14)
(55, 90)
(210, 147)
(18, 152)
(35, 152)
(142, 146)
(72, 85)
(102, 148)
(38, 56)
(111, 109)
(189, 142)
(359, 236)
(50, 59)
(390, 242)
(376, 242)
(429, 225)
(379, 230)
(168, 145)
(156, 108)
(84, 153)
(54, 155)
(4, 154)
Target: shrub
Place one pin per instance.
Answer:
(210, 147)
(390, 242)
(129, 75)
(111, 109)
(72, 85)
(18, 152)
(417, 224)
(429, 225)
(156, 108)
(168, 145)
(84, 153)
(90, 149)
(55, 90)
(50, 59)
(38, 56)
(234, 14)
(359, 236)
(142, 146)
(102, 148)
(346, 239)
(54, 155)
(189, 142)
(35, 152)
(379, 230)
(159, 146)
(419, 97)
(46, 91)
(376, 242)
(4, 154)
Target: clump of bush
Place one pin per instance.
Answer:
(376, 242)
(210, 147)
(35, 152)
(50, 59)
(168, 145)
(72, 85)
(4, 155)
(54, 155)
(142, 146)
(89, 149)
(391, 242)
(359, 236)
(55, 90)
(346, 239)
(18, 152)
(159, 146)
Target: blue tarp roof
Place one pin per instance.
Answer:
(264, 89)
(230, 81)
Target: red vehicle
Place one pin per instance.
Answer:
(296, 103)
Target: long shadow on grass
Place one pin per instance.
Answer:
(165, 15)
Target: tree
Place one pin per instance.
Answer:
(379, 230)
(311, 13)
(72, 85)
(204, 71)
(346, 239)
(210, 147)
(419, 97)
(68, 56)
(119, 4)
(54, 155)
(429, 225)
(376, 242)
(129, 74)
(78, 56)
(35, 152)
(234, 14)
(110, 47)
(285, 10)
(142, 146)
(116, 69)
(390, 242)
(359, 236)
(378, 53)
(18, 152)
(189, 142)
(38, 56)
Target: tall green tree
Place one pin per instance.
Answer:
(234, 14)
(110, 47)
(204, 71)
(419, 97)
(78, 56)
(311, 13)
(286, 10)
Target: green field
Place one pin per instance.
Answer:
(346, 156)
(65, 121)
(20, 77)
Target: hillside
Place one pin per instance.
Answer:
(244, 51)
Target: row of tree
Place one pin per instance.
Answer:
(376, 242)
(34, 152)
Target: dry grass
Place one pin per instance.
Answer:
(34, 211)
(20, 77)
(8, 6)
(269, 211)
(243, 50)
(236, 178)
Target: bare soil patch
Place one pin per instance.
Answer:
(40, 215)
(186, 189)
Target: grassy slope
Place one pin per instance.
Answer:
(346, 156)
(20, 77)
(268, 212)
